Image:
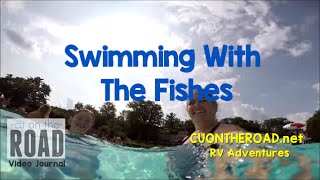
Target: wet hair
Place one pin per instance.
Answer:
(85, 110)
(45, 109)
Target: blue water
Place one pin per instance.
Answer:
(89, 158)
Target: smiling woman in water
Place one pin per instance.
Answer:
(203, 116)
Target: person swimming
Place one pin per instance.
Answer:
(81, 122)
(42, 112)
(203, 116)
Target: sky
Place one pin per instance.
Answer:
(286, 34)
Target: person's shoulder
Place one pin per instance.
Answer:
(185, 139)
(31, 114)
(34, 114)
(229, 128)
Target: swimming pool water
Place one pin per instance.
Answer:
(87, 157)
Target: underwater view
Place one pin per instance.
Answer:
(90, 158)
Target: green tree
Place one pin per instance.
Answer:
(122, 118)
(108, 110)
(29, 91)
(313, 127)
(123, 115)
(91, 108)
(251, 126)
(234, 120)
(143, 120)
(189, 126)
(147, 112)
(275, 125)
(57, 112)
(172, 124)
(107, 116)
(78, 106)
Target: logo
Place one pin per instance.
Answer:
(35, 138)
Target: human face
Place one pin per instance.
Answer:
(201, 111)
(81, 123)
